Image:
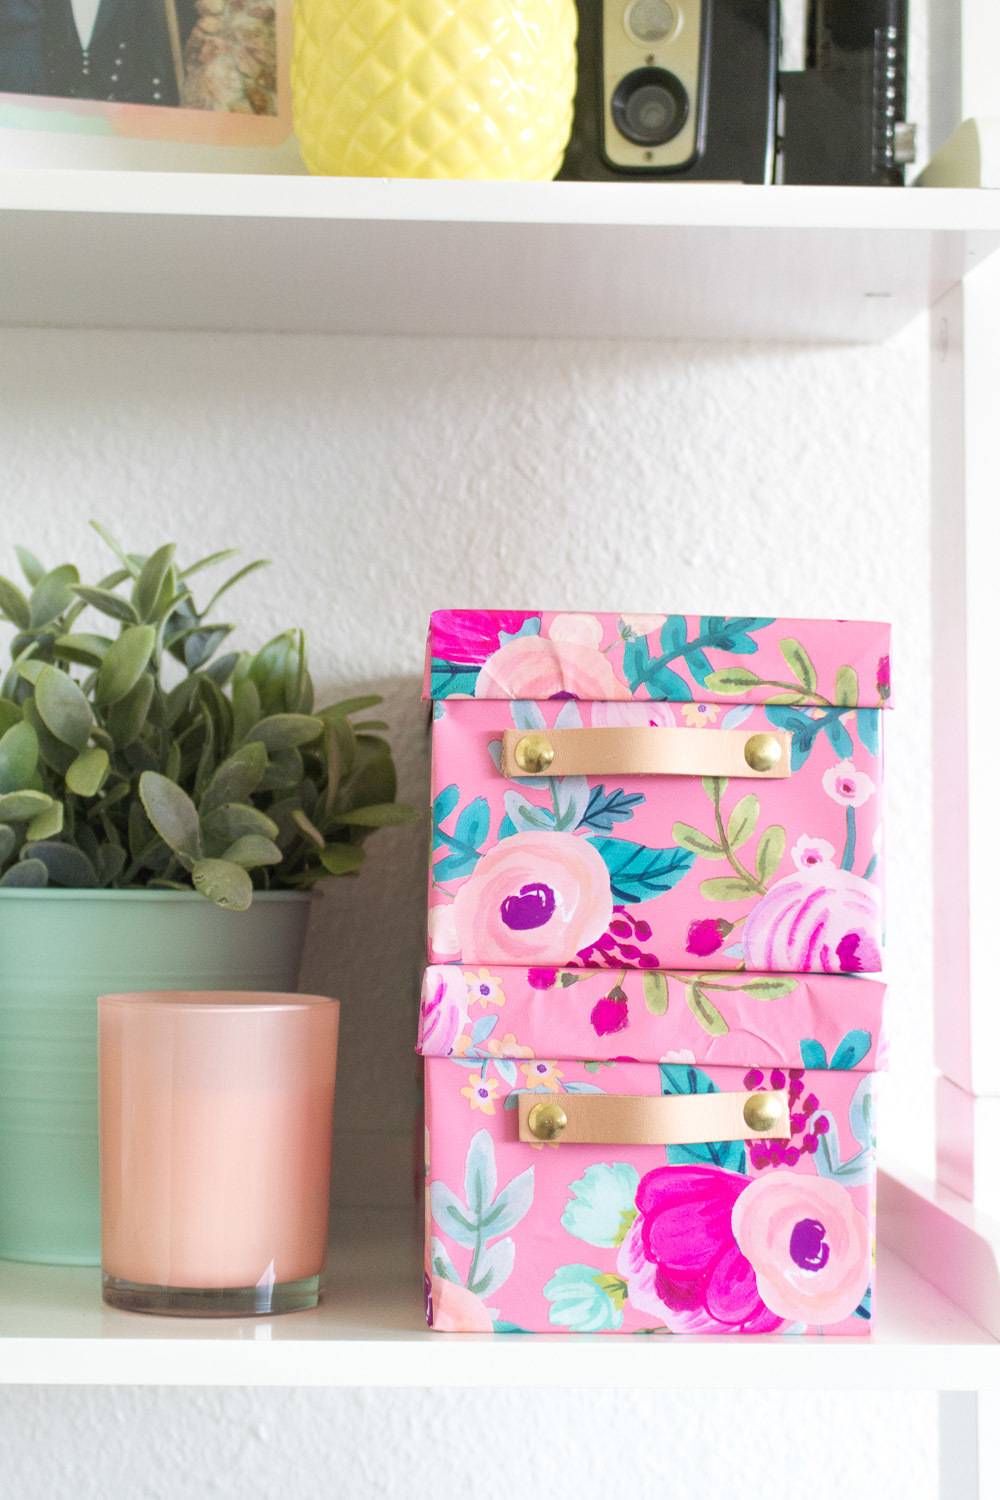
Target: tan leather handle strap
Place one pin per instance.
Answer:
(658, 1120)
(647, 752)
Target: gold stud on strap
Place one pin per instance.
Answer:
(763, 1111)
(534, 753)
(547, 1121)
(762, 752)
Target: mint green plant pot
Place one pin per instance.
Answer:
(59, 950)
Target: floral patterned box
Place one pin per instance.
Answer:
(767, 1231)
(593, 800)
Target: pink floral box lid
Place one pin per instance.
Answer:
(537, 654)
(652, 1015)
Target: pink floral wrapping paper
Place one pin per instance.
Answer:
(651, 871)
(726, 1237)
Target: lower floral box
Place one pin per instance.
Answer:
(649, 1152)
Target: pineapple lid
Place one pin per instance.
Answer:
(538, 654)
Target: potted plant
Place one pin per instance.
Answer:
(166, 806)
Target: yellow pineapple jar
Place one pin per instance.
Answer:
(434, 88)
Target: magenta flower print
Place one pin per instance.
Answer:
(443, 1012)
(610, 1014)
(469, 636)
(534, 898)
(883, 682)
(680, 1258)
(808, 1245)
(821, 919)
(847, 785)
(707, 935)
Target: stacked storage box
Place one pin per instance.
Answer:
(655, 879)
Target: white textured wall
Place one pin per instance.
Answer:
(387, 477)
(156, 1444)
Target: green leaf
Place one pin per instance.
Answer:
(63, 707)
(285, 731)
(20, 807)
(10, 714)
(108, 603)
(731, 680)
(127, 719)
(57, 756)
(768, 988)
(18, 757)
(53, 594)
(236, 778)
(253, 850)
(349, 706)
(146, 593)
(46, 824)
(32, 569)
(210, 561)
(743, 820)
(224, 588)
(173, 815)
(224, 825)
(770, 851)
(381, 815)
(726, 888)
(246, 708)
(799, 663)
(845, 691)
(228, 885)
(308, 827)
(128, 563)
(699, 843)
(65, 864)
(709, 1018)
(342, 859)
(8, 841)
(30, 667)
(86, 775)
(124, 664)
(655, 992)
(29, 873)
(83, 648)
(13, 604)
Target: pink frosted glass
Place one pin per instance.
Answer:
(216, 1127)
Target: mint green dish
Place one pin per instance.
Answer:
(59, 950)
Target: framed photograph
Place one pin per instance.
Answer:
(209, 73)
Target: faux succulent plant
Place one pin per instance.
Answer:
(142, 755)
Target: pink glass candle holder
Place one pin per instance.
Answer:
(216, 1128)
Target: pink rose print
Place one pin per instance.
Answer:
(809, 852)
(469, 636)
(582, 630)
(707, 935)
(443, 1012)
(807, 1244)
(533, 668)
(534, 898)
(645, 715)
(457, 1310)
(681, 1260)
(849, 787)
(821, 919)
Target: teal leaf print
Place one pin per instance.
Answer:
(480, 1174)
(851, 1050)
(449, 678)
(805, 730)
(639, 873)
(471, 829)
(851, 1173)
(731, 1156)
(605, 809)
(442, 807)
(868, 728)
(511, 1205)
(451, 1215)
(813, 1053)
(862, 1112)
(487, 1215)
(585, 1299)
(602, 1205)
(864, 1307)
(642, 670)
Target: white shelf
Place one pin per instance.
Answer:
(341, 255)
(369, 1331)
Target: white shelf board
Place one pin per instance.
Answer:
(352, 255)
(369, 1331)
